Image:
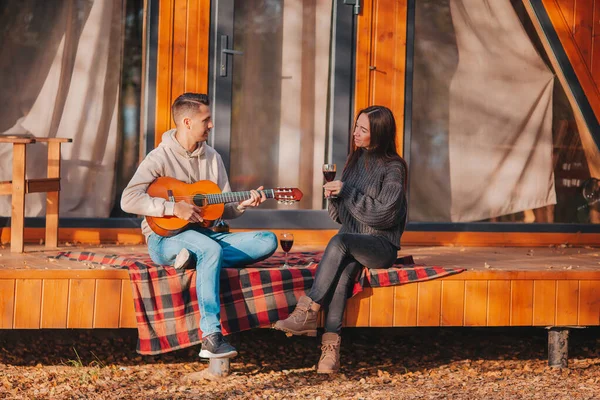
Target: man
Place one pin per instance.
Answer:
(183, 154)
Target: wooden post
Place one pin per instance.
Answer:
(17, 218)
(558, 347)
(218, 367)
(52, 198)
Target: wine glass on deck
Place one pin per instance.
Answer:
(286, 240)
(329, 171)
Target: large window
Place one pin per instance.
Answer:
(71, 68)
(494, 136)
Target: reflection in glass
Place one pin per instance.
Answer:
(280, 89)
(537, 171)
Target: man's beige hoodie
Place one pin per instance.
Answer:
(172, 160)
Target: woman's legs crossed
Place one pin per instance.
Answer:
(343, 249)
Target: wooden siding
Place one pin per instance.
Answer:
(381, 58)
(182, 55)
(60, 299)
(514, 287)
(461, 300)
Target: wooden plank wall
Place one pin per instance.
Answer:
(577, 23)
(381, 58)
(182, 59)
(66, 302)
(478, 303)
(105, 301)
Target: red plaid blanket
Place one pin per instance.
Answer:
(255, 296)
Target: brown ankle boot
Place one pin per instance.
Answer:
(303, 320)
(330, 354)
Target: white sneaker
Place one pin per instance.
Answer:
(182, 260)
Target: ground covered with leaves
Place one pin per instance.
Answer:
(416, 363)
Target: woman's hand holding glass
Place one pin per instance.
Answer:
(333, 188)
(329, 171)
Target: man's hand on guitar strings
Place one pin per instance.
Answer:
(255, 200)
(188, 212)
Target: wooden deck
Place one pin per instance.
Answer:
(550, 286)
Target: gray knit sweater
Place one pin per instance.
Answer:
(373, 199)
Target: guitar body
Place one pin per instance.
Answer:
(171, 225)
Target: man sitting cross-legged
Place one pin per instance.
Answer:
(183, 154)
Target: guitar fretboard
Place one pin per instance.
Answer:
(232, 197)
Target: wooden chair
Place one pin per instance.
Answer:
(19, 186)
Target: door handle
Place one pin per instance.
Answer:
(224, 53)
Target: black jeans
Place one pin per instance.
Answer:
(339, 268)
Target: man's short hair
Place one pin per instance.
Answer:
(188, 103)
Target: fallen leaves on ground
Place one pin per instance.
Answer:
(391, 363)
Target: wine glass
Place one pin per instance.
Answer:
(286, 240)
(591, 191)
(329, 171)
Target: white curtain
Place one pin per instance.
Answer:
(487, 150)
(65, 85)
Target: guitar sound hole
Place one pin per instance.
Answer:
(200, 200)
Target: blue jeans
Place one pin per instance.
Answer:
(212, 251)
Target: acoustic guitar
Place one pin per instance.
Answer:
(206, 195)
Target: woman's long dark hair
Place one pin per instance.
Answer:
(383, 136)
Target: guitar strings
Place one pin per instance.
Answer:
(191, 197)
(217, 194)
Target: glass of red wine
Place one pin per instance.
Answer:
(329, 171)
(286, 240)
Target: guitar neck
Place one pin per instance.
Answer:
(233, 197)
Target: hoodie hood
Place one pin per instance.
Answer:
(169, 140)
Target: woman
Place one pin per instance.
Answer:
(370, 203)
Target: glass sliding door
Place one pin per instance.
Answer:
(272, 87)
